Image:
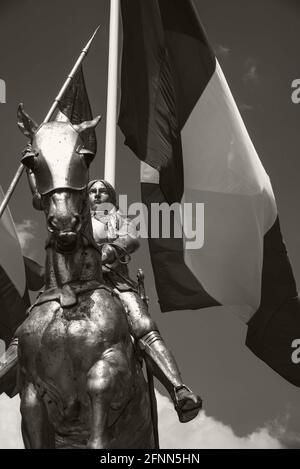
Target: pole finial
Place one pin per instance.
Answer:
(86, 48)
(70, 76)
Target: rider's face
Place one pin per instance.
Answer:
(98, 195)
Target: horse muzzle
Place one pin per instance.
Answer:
(66, 241)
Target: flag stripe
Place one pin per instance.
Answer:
(192, 59)
(226, 175)
(10, 251)
(14, 298)
(157, 50)
(177, 287)
(12, 307)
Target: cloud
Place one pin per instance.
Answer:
(204, 432)
(222, 51)
(10, 423)
(289, 439)
(26, 232)
(251, 74)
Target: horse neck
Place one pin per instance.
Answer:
(82, 265)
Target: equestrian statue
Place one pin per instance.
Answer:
(80, 352)
(81, 346)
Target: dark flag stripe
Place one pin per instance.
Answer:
(276, 325)
(177, 287)
(12, 307)
(192, 58)
(163, 48)
(14, 298)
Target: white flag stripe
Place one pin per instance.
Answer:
(148, 174)
(223, 171)
(218, 153)
(10, 251)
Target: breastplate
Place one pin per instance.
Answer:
(104, 228)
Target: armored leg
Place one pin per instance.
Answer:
(162, 361)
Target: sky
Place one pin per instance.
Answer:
(246, 403)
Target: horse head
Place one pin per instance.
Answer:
(60, 164)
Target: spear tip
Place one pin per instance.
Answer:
(91, 40)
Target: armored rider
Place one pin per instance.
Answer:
(116, 235)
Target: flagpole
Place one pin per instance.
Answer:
(112, 93)
(47, 118)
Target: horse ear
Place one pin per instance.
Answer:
(27, 125)
(87, 155)
(87, 125)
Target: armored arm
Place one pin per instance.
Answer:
(125, 243)
(127, 235)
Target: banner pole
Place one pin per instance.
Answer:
(112, 94)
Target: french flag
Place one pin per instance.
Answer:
(18, 274)
(179, 117)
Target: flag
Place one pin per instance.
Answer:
(76, 107)
(18, 274)
(179, 117)
(14, 298)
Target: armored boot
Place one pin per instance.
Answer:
(164, 367)
(159, 358)
(8, 370)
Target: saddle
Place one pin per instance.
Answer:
(67, 295)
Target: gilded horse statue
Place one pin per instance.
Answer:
(81, 380)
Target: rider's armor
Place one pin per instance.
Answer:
(113, 229)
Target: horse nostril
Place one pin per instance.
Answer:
(67, 238)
